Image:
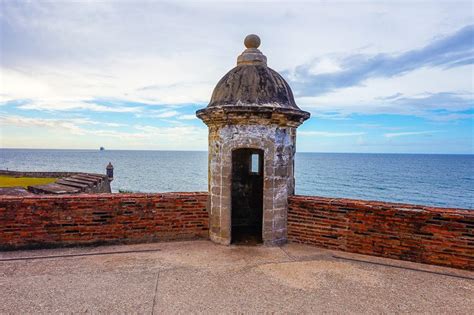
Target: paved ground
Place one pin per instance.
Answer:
(201, 277)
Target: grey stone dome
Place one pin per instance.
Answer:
(252, 88)
(251, 85)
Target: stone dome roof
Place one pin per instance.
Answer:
(253, 86)
(252, 82)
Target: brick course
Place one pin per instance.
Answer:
(408, 232)
(46, 221)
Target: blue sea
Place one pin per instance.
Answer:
(439, 180)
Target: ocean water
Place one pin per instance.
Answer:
(439, 180)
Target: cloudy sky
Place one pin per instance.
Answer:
(377, 76)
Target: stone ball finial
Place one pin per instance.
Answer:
(252, 41)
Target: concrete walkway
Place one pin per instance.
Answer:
(201, 277)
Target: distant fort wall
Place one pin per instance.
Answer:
(66, 183)
(87, 219)
(400, 231)
(39, 174)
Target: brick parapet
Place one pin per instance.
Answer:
(85, 219)
(416, 233)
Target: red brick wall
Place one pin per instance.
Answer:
(400, 231)
(42, 221)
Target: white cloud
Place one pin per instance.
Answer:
(330, 134)
(85, 50)
(324, 65)
(62, 57)
(187, 117)
(166, 114)
(77, 131)
(68, 125)
(367, 98)
(409, 133)
(68, 105)
(174, 132)
(454, 116)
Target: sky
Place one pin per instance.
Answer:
(376, 76)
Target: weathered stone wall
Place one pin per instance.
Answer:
(44, 221)
(408, 232)
(278, 145)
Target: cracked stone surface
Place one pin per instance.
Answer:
(203, 277)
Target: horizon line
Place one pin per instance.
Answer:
(166, 150)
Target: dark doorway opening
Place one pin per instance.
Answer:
(247, 196)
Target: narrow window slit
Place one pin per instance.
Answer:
(254, 168)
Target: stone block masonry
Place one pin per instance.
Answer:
(408, 232)
(86, 219)
(252, 112)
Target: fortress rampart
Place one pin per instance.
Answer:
(401, 231)
(66, 182)
(416, 233)
(91, 219)
(40, 173)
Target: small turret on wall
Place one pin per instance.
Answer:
(110, 171)
(252, 119)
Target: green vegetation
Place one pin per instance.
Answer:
(11, 181)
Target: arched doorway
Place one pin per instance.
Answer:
(247, 196)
